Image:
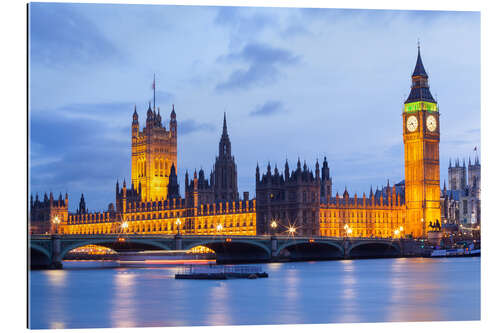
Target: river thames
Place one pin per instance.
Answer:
(88, 295)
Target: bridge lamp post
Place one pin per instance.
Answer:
(346, 229)
(401, 231)
(124, 226)
(274, 225)
(56, 222)
(178, 224)
(291, 230)
(219, 227)
(349, 232)
(396, 233)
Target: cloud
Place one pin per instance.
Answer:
(244, 23)
(78, 155)
(263, 66)
(164, 97)
(61, 35)
(189, 126)
(267, 109)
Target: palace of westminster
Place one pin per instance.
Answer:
(297, 200)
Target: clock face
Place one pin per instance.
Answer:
(412, 123)
(431, 123)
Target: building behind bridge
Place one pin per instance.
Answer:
(298, 201)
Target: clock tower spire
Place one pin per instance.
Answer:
(421, 135)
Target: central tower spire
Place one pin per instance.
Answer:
(226, 182)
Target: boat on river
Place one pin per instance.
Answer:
(456, 253)
(221, 272)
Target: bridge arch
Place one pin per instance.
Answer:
(305, 249)
(41, 249)
(236, 250)
(40, 257)
(112, 244)
(374, 248)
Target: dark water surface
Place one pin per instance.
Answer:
(417, 289)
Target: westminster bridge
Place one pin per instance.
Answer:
(50, 250)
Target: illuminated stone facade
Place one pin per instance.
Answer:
(421, 135)
(210, 206)
(381, 214)
(302, 200)
(298, 202)
(48, 214)
(154, 151)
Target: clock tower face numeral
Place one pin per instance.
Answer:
(431, 123)
(412, 123)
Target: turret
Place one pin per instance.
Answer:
(173, 122)
(173, 186)
(158, 118)
(124, 189)
(287, 171)
(257, 173)
(150, 116)
(135, 123)
(325, 170)
(317, 170)
(81, 207)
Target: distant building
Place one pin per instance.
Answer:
(461, 204)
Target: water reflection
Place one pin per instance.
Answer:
(294, 293)
(56, 281)
(218, 313)
(123, 299)
(349, 292)
(56, 278)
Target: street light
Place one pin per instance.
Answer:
(291, 230)
(396, 232)
(347, 230)
(124, 226)
(274, 225)
(219, 227)
(56, 222)
(178, 224)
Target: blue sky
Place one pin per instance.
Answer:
(294, 82)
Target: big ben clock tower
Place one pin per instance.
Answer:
(421, 140)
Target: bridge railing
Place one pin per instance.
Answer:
(222, 236)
